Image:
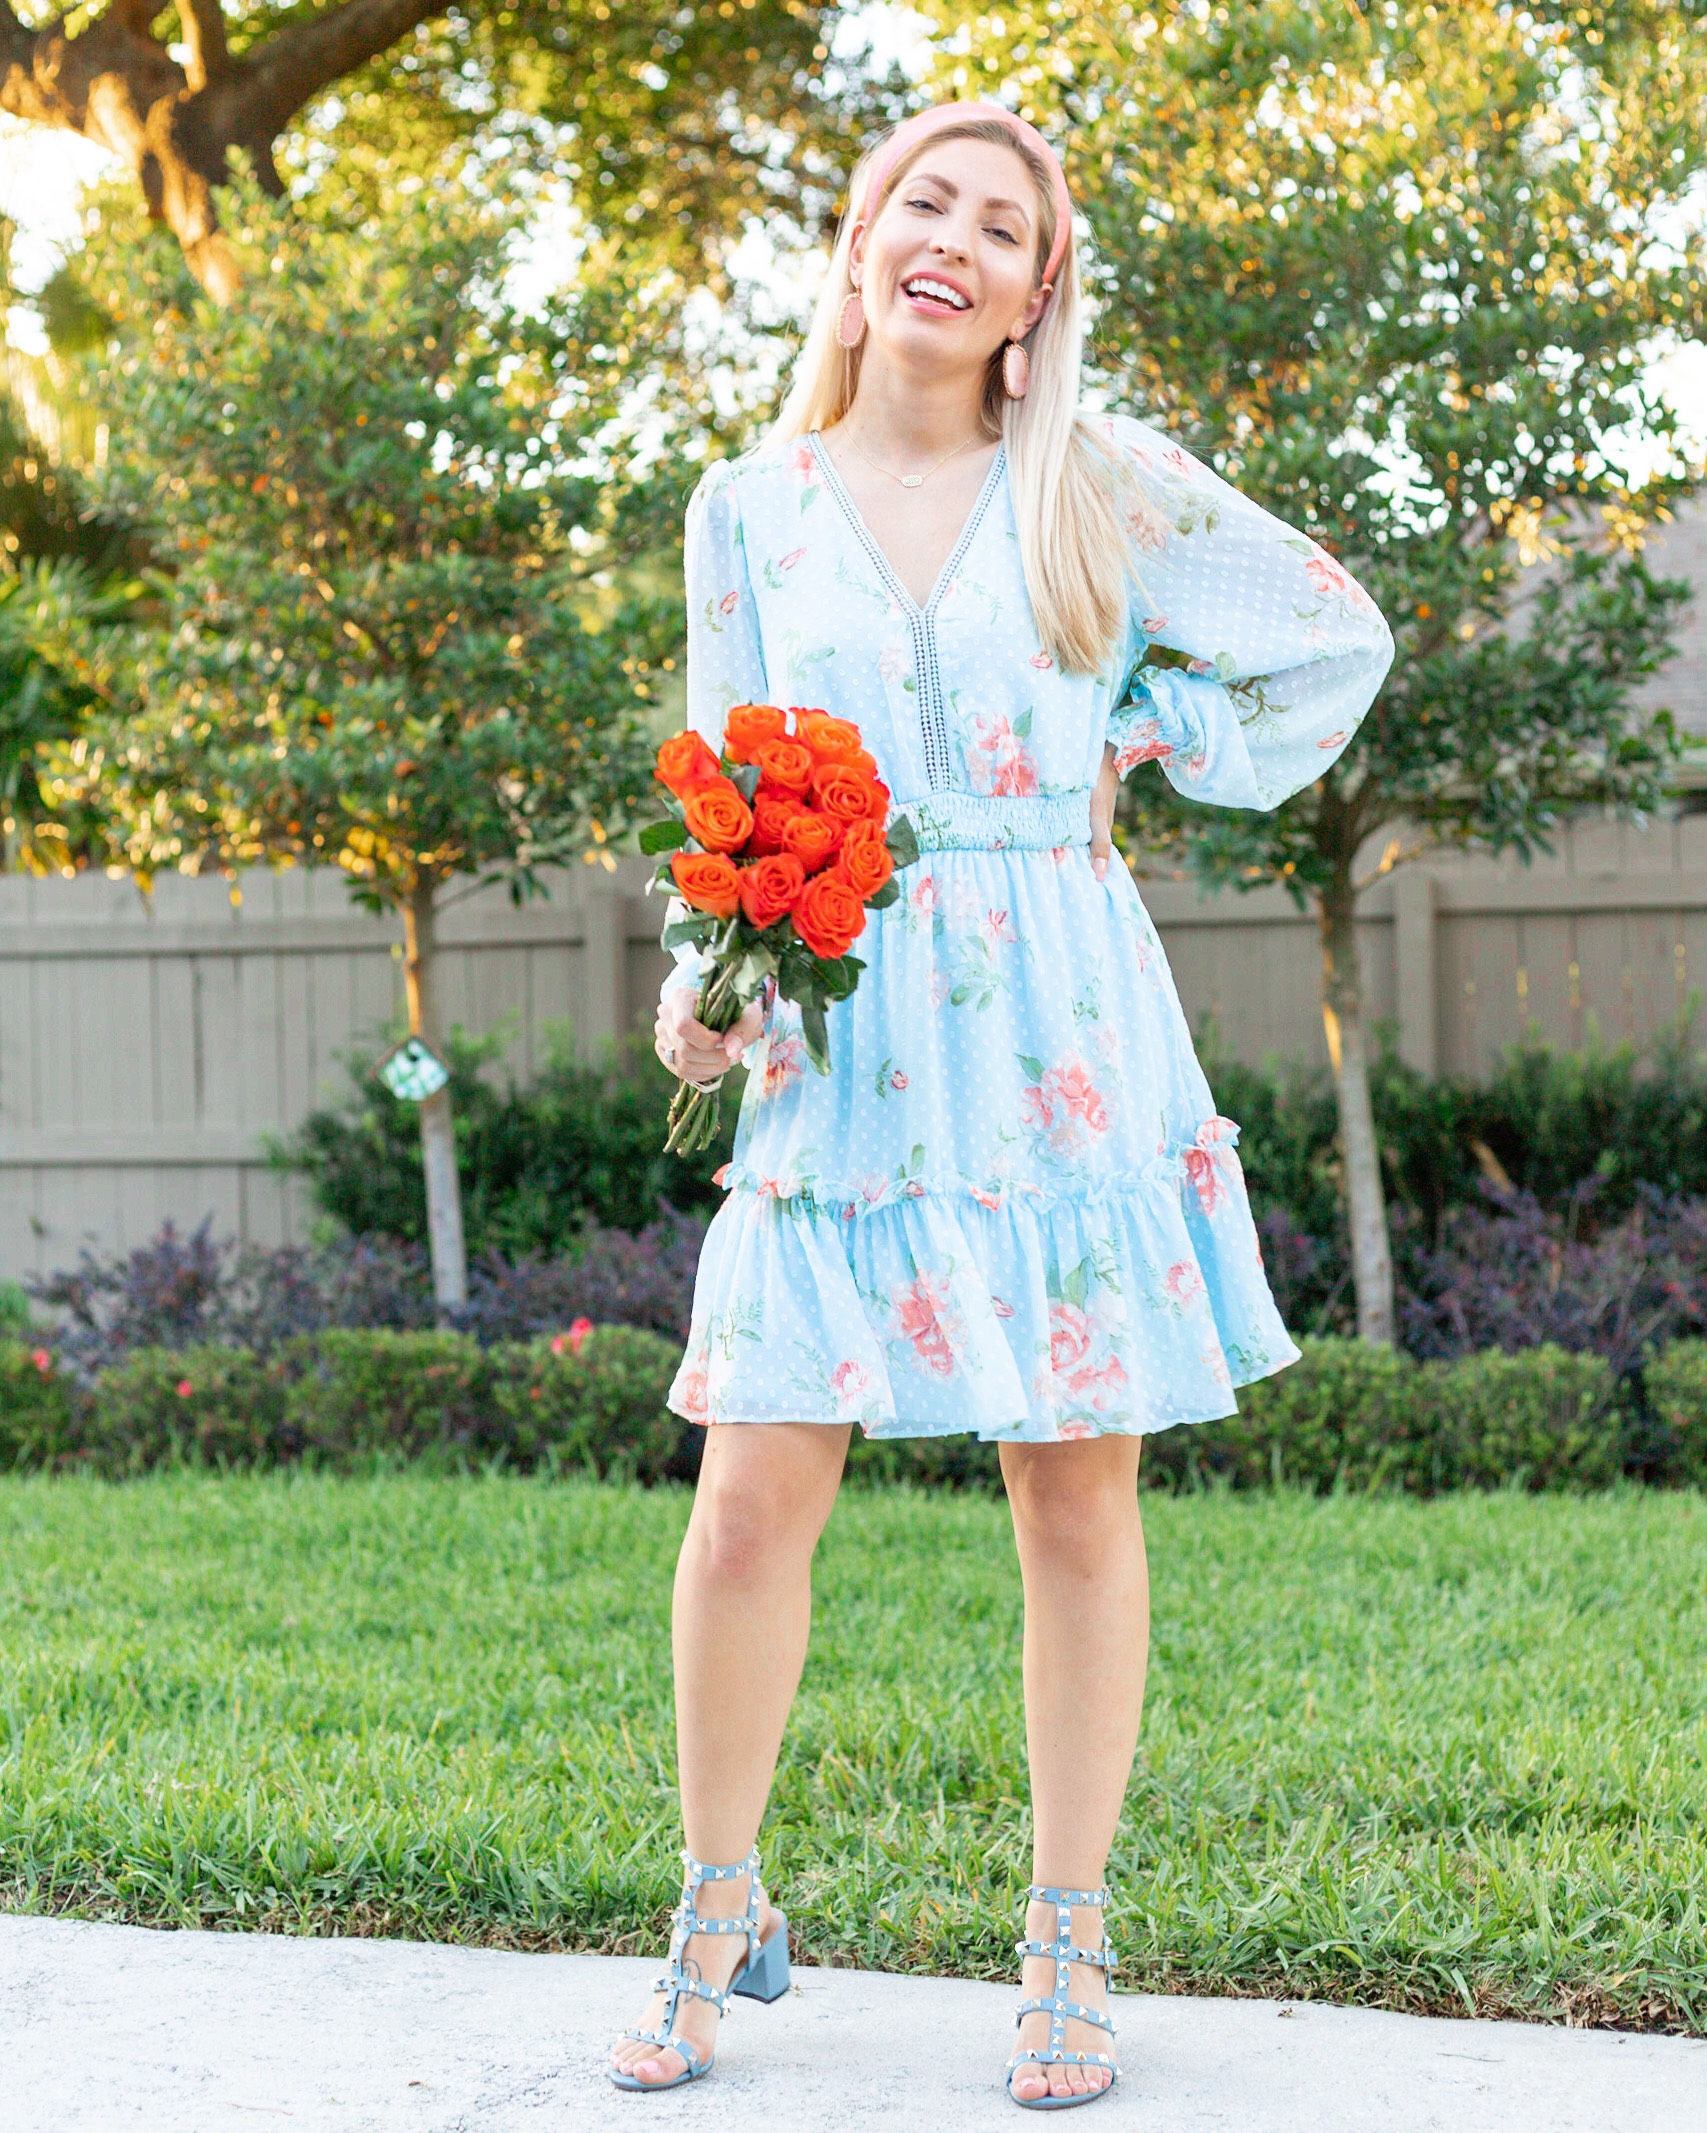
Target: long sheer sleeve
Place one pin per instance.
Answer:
(725, 659)
(1282, 650)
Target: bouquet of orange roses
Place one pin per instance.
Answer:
(779, 851)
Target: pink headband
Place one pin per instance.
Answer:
(923, 123)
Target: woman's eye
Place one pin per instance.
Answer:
(922, 202)
(1007, 236)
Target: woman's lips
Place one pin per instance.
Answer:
(935, 306)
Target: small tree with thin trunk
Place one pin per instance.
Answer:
(392, 632)
(1397, 272)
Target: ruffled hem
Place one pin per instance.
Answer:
(1173, 1165)
(932, 1312)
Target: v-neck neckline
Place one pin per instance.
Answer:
(874, 547)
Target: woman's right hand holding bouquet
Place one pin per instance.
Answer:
(692, 1052)
(780, 849)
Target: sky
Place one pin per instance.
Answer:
(42, 173)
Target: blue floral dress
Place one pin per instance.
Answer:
(1011, 1206)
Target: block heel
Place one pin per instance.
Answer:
(765, 1976)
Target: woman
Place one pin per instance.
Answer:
(1010, 1207)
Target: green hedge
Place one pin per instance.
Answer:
(171, 1406)
(1677, 1399)
(38, 1411)
(1347, 1416)
(594, 1404)
(355, 1398)
(1356, 1416)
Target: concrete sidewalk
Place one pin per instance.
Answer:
(107, 2028)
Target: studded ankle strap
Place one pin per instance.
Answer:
(688, 1921)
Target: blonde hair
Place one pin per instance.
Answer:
(1065, 479)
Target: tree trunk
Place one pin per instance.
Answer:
(174, 126)
(438, 1133)
(1366, 1204)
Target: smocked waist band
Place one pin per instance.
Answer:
(991, 822)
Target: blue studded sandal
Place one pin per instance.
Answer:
(763, 1976)
(1060, 2009)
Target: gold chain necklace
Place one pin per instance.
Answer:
(912, 481)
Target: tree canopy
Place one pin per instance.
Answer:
(391, 630)
(677, 121)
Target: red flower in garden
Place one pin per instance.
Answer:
(572, 1342)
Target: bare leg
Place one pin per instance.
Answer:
(743, 1609)
(1087, 1635)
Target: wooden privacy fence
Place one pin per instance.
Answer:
(148, 1051)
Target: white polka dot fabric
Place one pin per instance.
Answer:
(1009, 1207)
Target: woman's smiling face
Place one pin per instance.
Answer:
(948, 269)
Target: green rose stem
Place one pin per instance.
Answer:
(695, 1113)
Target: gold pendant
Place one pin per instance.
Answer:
(911, 481)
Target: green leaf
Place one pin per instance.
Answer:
(890, 893)
(1022, 725)
(751, 972)
(687, 932)
(1033, 1067)
(744, 777)
(816, 1033)
(903, 841)
(665, 836)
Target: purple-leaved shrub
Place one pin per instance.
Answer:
(1512, 1274)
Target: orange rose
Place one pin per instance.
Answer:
(786, 763)
(717, 816)
(683, 762)
(834, 739)
(877, 800)
(864, 858)
(748, 727)
(769, 887)
(812, 839)
(708, 881)
(842, 793)
(830, 915)
(772, 810)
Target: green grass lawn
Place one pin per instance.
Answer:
(1443, 1755)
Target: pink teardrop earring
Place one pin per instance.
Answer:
(850, 321)
(1016, 370)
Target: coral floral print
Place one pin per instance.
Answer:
(1013, 1206)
